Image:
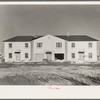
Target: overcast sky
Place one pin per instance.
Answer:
(46, 19)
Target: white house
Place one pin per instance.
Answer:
(58, 47)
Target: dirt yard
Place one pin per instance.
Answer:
(50, 74)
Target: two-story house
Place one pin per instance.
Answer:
(58, 47)
(18, 49)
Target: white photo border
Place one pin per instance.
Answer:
(46, 92)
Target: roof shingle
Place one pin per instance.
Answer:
(68, 38)
(21, 39)
(76, 38)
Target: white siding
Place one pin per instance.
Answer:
(49, 44)
(15, 47)
(83, 46)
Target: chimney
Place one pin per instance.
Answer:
(35, 36)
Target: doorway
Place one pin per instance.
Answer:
(81, 56)
(59, 56)
(49, 56)
(17, 56)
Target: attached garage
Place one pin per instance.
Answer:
(59, 56)
(39, 56)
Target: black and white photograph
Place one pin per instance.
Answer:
(50, 45)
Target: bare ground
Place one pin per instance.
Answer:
(50, 74)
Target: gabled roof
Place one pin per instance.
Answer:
(76, 38)
(68, 38)
(21, 39)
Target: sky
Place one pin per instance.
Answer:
(29, 20)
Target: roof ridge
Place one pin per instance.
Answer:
(65, 37)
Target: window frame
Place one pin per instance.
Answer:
(26, 57)
(58, 44)
(10, 56)
(90, 55)
(39, 45)
(10, 45)
(26, 46)
(90, 45)
(72, 45)
(72, 55)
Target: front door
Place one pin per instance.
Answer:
(81, 56)
(17, 55)
(49, 56)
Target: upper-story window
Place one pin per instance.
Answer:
(59, 45)
(90, 45)
(10, 45)
(26, 45)
(73, 45)
(39, 45)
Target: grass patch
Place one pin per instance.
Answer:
(64, 64)
(50, 79)
(34, 80)
(51, 73)
(75, 81)
(94, 79)
(7, 65)
(15, 80)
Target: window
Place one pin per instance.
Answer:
(90, 55)
(90, 45)
(73, 55)
(59, 45)
(26, 55)
(10, 45)
(26, 45)
(39, 45)
(10, 55)
(73, 45)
